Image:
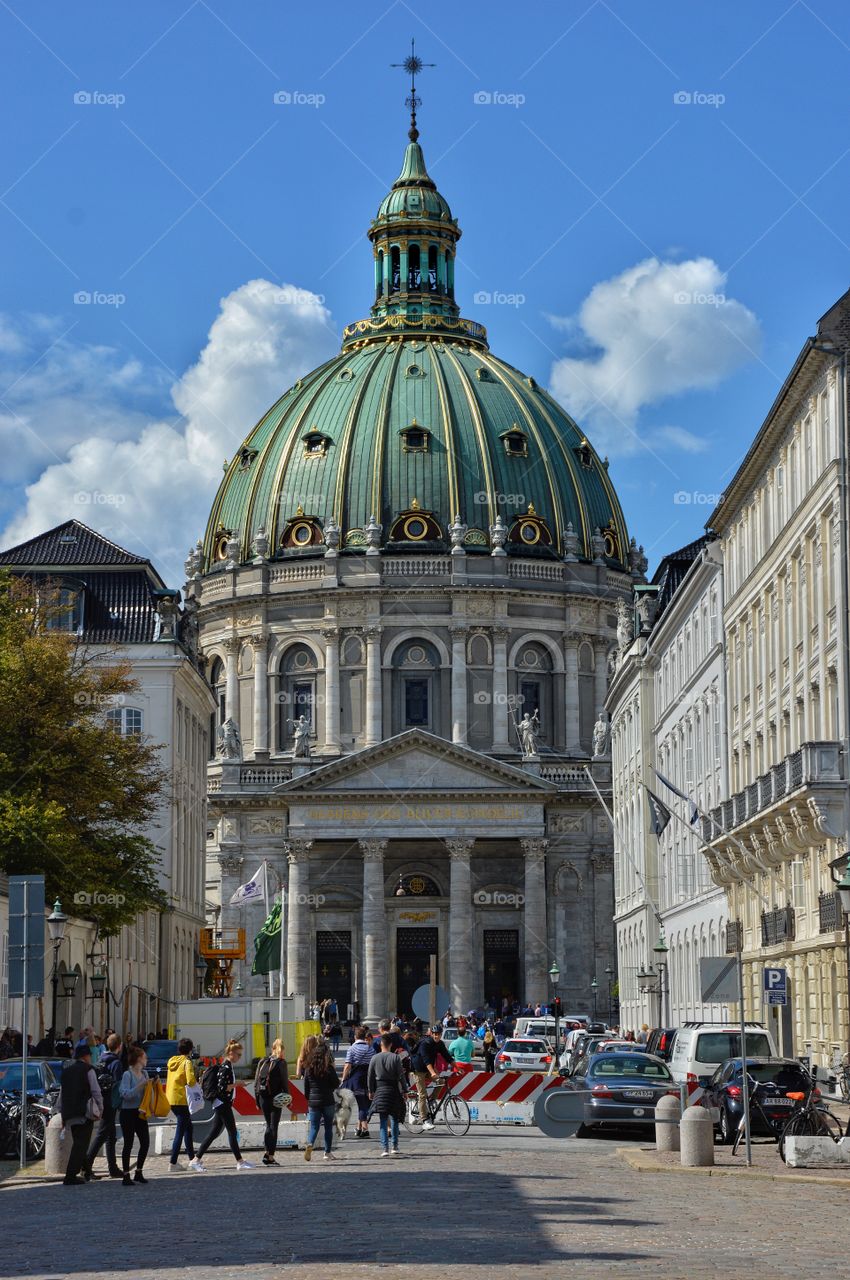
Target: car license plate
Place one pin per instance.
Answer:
(637, 1093)
(779, 1102)
(525, 1061)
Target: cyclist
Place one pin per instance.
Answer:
(426, 1068)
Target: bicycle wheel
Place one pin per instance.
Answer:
(456, 1115)
(844, 1085)
(810, 1123)
(35, 1136)
(411, 1120)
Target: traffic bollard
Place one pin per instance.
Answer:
(696, 1135)
(57, 1148)
(667, 1115)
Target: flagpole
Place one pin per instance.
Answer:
(634, 865)
(266, 906)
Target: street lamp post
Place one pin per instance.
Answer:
(609, 974)
(555, 974)
(200, 973)
(594, 986)
(660, 949)
(842, 888)
(57, 923)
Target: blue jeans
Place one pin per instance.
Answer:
(183, 1130)
(391, 1123)
(319, 1115)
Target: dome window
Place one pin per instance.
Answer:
(584, 453)
(483, 374)
(219, 551)
(301, 532)
(414, 371)
(530, 531)
(515, 442)
(246, 457)
(415, 525)
(345, 375)
(316, 444)
(612, 541)
(415, 438)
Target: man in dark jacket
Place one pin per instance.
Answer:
(386, 1084)
(109, 1071)
(64, 1046)
(78, 1085)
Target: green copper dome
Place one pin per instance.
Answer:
(418, 425)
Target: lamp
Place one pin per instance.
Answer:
(57, 922)
(842, 885)
(401, 892)
(554, 973)
(97, 982)
(201, 972)
(70, 978)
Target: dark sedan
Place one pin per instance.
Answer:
(41, 1080)
(159, 1051)
(771, 1080)
(623, 1087)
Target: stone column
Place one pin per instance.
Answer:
(571, 702)
(331, 687)
(500, 688)
(374, 717)
(536, 937)
(260, 646)
(298, 918)
(373, 992)
(231, 678)
(461, 939)
(458, 635)
(600, 676)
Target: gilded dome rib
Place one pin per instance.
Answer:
(451, 453)
(381, 433)
(480, 431)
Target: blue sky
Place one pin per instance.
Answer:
(585, 190)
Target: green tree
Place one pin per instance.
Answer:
(75, 796)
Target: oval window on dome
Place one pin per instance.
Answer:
(529, 532)
(415, 528)
(345, 375)
(414, 371)
(301, 533)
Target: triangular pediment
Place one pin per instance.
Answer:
(413, 762)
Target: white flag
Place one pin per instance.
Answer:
(253, 891)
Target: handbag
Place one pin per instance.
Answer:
(194, 1098)
(94, 1108)
(281, 1100)
(154, 1103)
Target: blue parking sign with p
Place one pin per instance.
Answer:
(776, 986)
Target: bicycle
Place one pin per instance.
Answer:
(812, 1119)
(755, 1101)
(442, 1105)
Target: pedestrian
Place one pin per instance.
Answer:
(355, 1077)
(133, 1125)
(271, 1080)
(223, 1087)
(461, 1048)
(643, 1034)
(80, 1103)
(336, 1037)
(320, 1083)
(386, 1089)
(64, 1047)
(489, 1049)
(180, 1072)
(306, 1049)
(109, 1072)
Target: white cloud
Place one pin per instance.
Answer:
(680, 438)
(655, 331)
(148, 481)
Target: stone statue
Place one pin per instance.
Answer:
(528, 730)
(646, 613)
(457, 533)
(498, 536)
(638, 563)
(331, 532)
(301, 738)
(234, 547)
(261, 544)
(600, 737)
(228, 742)
(597, 544)
(373, 537)
(572, 545)
(625, 626)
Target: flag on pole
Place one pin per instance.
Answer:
(683, 795)
(659, 814)
(267, 944)
(253, 891)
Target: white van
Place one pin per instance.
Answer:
(700, 1047)
(541, 1028)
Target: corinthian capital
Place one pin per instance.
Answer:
(297, 850)
(534, 849)
(459, 850)
(372, 850)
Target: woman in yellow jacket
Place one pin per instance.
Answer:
(180, 1073)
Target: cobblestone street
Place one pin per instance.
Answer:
(493, 1200)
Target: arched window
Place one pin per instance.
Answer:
(534, 687)
(414, 275)
(297, 691)
(416, 686)
(432, 268)
(395, 269)
(379, 274)
(218, 717)
(125, 720)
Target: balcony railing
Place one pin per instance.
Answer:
(777, 926)
(829, 913)
(814, 764)
(734, 937)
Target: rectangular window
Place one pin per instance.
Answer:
(416, 703)
(529, 692)
(302, 700)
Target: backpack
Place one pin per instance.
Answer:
(261, 1079)
(209, 1083)
(109, 1081)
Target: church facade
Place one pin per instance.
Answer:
(407, 597)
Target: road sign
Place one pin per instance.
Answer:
(776, 986)
(422, 999)
(718, 979)
(26, 935)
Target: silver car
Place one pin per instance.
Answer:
(524, 1055)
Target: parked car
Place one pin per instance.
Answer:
(159, 1051)
(660, 1042)
(622, 1087)
(774, 1079)
(524, 1055)
(700, 1047)
(42, 1083)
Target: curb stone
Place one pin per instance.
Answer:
(642, 1162)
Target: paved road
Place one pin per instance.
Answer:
(494, 1199)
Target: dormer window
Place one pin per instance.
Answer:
(316, 444)
(415, 438)
(515, 441)
(246, 457)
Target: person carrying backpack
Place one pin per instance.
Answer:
(108, 1071)
(180, 1073)
(271, 1080)
(218, 1085)
(386, 1084)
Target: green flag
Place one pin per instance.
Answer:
(267, 944)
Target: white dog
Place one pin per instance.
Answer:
(346, 1105)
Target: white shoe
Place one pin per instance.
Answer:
(196, 1166)
(382, 1154)
(328, 1156)
(177, 1167)
(428, 1125)
(395, 1152)
(244, 1164)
